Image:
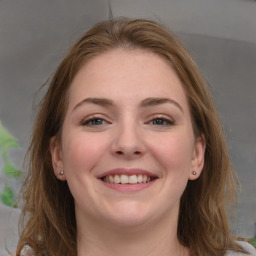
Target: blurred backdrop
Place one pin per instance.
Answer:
(35, 35)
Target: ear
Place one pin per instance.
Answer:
(57, 162)
(197, 161)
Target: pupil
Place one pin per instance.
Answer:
(158, 121)
(97, 121)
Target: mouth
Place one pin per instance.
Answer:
(128, 179)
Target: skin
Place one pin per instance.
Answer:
(158, 138)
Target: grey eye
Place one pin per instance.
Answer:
(161, 121)
(94, 122)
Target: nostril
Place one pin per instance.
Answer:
(119, 152)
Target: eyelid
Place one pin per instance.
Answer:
(165, 117)
(92, 117)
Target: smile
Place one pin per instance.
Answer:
(128, 179)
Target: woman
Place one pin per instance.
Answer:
(128, 156)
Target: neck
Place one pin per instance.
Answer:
(153, 239)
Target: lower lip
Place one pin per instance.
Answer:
(128, 188)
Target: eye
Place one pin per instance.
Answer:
(94, 121)
(161, 121)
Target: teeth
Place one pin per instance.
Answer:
(133, 179)
(111, 179)
(126, 179)
(117, 179)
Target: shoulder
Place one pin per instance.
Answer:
(27, 251)
(248, 247)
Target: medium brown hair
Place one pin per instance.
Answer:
(48, 217)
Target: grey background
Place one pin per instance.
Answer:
(221, 35)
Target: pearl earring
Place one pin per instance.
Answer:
(61, 174)
(194, 173)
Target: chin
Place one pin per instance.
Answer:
(128, 215)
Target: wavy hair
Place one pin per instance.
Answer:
(48, 221)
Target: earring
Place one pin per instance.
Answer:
(194, 173)
(61, 174)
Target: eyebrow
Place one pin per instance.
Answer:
(148, 102)
(158, 101)
(97, 101)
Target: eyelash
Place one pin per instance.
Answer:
(165, 121)
(89, 121)
(99, 121)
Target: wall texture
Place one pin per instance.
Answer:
(35, 35)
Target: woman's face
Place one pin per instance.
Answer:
(127, 147)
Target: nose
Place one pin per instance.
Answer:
(128, 142)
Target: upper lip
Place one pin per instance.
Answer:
(126, 171)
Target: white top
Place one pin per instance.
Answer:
(27, 251)
(248, 247)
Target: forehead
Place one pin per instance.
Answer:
(127, 73)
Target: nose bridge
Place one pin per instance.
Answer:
(128, 140)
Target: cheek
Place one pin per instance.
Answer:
(82, 152)
(174, 152)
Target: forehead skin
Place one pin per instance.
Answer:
(111, 71)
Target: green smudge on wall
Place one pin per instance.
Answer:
(7, 141)
(7, 196)
(10, 171)
(253, 241)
